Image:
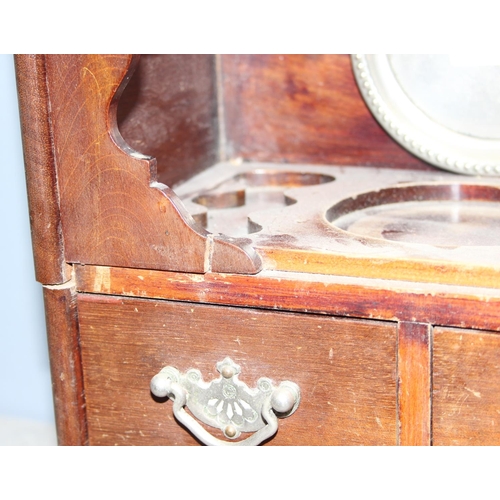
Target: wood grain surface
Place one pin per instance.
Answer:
(113, 210)
(466, 388)
(468, 307)
(303, 109)
(65, 364)
(345, 368)
(414, 384)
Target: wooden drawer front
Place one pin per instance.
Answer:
(345, 368)
(466, 387)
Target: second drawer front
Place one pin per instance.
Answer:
(345, 368)
(466, 387)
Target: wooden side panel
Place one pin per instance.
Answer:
(345, 368)
(113, 210)
(466, 387)
(43, 197)
(414, 384)
(65, 364)
(169, 111)
(303, 109)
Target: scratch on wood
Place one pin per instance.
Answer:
(476, 393)
(93, 76)
(462, 403)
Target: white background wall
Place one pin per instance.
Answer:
(25, 387)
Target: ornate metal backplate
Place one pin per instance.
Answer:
(227, 403)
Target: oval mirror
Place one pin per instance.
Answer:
(440, 108)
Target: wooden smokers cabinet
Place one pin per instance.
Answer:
(186, 209)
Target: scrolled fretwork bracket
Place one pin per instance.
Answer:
(113, 211)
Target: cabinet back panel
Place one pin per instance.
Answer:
(169, 110)
(303, 109)
(271, 108)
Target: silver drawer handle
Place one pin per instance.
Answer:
(226, 403)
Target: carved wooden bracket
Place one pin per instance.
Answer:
(113, 211)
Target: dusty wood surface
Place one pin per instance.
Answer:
(112, 209)
(296, 225)
(303, 109)
(466, 388)
(43, 196)
(345, 368)
(414, 384)
(468, 307)
(65, 364)
(169, 111)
